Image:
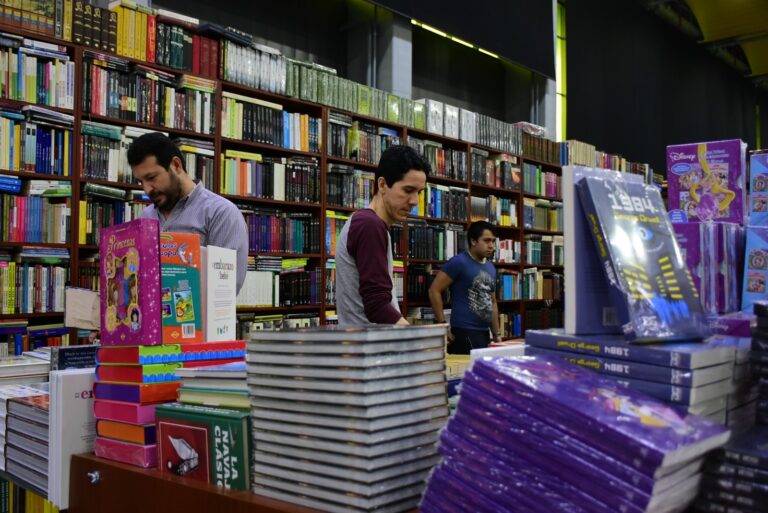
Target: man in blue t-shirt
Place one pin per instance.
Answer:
(471, 278)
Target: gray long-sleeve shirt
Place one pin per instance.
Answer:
(217, 220)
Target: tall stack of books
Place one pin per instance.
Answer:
(27, 439)
(221, 386)
(347, 419)
(564, 439)
(8, 392)
(736, 478)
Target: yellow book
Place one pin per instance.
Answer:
(243, 155)
(67, 25)
(223, 184)
(66, 153)
(82, 222)
(130, 33)
(17, 146)
(141, 33)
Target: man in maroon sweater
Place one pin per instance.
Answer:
(365, 291)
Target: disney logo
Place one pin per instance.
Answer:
(675, 156)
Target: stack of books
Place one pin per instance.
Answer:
(27, 439)
(221, 386)
(8, 392)
(736, 478)
(759, 360)
(565, 439)
(697, 377)
(133, 380)
(346, 420)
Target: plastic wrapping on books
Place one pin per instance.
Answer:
(144, 456)
(451, 495)
(644, 433)
(648, 279)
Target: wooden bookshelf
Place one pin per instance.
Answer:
(324, 157)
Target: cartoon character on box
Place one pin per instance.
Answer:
(711, 196)
(122, 291)
(755, 282)
(758, 259)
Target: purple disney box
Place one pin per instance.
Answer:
(707, 181)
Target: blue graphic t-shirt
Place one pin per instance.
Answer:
(472, 290)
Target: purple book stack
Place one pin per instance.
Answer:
(534, 434)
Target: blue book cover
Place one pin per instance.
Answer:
(755, 283)
(750, 448)
(691, 355)
(758, 197)
(642, 261)
(642, 371)
(626, 424)
(588, 307)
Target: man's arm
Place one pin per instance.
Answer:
(227, 229)
(495, 329)
(440, 285)
(368, 244)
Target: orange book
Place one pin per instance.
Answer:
(180, 269)
(141, 434)
(136, 393)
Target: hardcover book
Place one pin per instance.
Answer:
(707, 181)
(180, 268)
(715, 350)
(212, 445)
(588, 308)
(120, 411)
(758, 197)
(153, 373)
(749, 449)
(144, 456)
(642, 261)
(218, 289)
(137, 393)
(626, 424)
(130, 277)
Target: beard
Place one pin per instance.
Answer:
(167, 199)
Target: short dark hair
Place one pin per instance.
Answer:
(156, 145)
(395, 163)
(476, 230)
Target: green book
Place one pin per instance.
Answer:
(212, 445)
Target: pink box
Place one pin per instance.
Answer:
(144, 456)
(130, 413)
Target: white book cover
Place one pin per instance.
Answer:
(218, 289)
(71, 429)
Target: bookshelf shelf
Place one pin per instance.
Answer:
(88, 247)
(35, 176)
(337, 208)
(16, 104)
(493, 189)
(425, 261)
(508, 228)
(118, 185)
(52, 245)
(542, 301)
(286, 101)
(543, 266)
(508, 301)
(361, 165)
(267, 147)
(445, 141)
(536, 196)
(444, 180)
(86, 116)
(542, 163)
(148, 64)
(493, 150)
(27, 316)
(14, 29)
(437, 219)
(265, 201)
(284, 255)
(541, 232)
(506, 264)
(277, 309)
(369, 119)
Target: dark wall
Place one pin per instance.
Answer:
(636, 85)
(461, 76)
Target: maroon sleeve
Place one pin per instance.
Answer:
(367, 243)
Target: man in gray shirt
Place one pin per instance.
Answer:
(183, 206)
(365, 290)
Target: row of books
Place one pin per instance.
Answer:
(445, 162)
(442, 202)
(510, 325)
(418, 280)
(34, 219)
(348, 187)
(334, 223)
(18, 336)
(579, 153)
(97, 212)
(433, 241)
(295, 179)
(36, 140)
(539, 284)
(508, 285)
(272, 231)
(539, 182)
(289, 287)
(36, 72)
(250, 119)
(358, 140)
(495, 210)
(507, 251)
(498, 170)
(330, 281)
(27, 287)
(544, 249)
(542, 215)
(117, 88)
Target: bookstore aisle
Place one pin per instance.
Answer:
(635, 373)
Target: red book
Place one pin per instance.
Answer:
(205, 56)
(214, 64)
(151, 37)
(196, 54)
